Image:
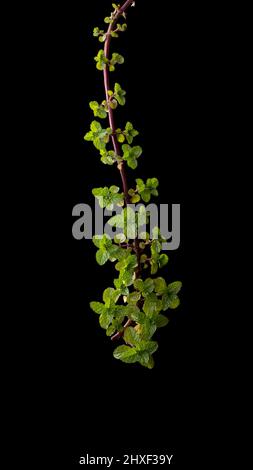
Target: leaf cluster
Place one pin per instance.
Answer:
(143, 308)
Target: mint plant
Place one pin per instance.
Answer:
(133, 309)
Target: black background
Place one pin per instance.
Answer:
(171, 74)
(114, 407)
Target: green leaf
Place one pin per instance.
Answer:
(106, 242)
(130, 227)
(152, 183)
(131, 192)
(108, 158)
(108, 197)
(120, 137)
(117, 221)
(154, 267)
(120, 238)
(148, 287)
(97, 240)
(96, 32)
(93, 105)
(115, 252)
(131, 154)
(129, 262)
(114, 189)
(138, 284)
(98, 191)
(156, 234)
(142, 217)
(106, 318)
(130, 132)
(117, 59)
(135, 198)
(88, 136)
(110, 330)
(127, 277)
(102, 38)
(147, 189)
(174, 287)
(147, 329)
(170, 301)
(95, 126)
(100, 34)
(126, 221)
(97, 307)
(131, 336)
(148, 346)
(98, 110)
(119, 94)
(160, 285)
(145, 287)
(146, 195)
(101, 60)
(152, 305)
(134, 297)
(144, 358)
(151, 363)
(102, 256)
(126, 354)
(132, 163)
(136, 315)
(161, 321)
(155, 247)
(99, 136)
(110, 296)
(131, 310)
(140, 185)
(120, 286)
(113, 104)
(163, 260)
(122, 27)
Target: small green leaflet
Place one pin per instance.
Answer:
(130, 133)
(119, 94)
(107, 249)
(169, 293)
(108, 197)
(130, 221)
(126, 354)
(98, 135)
(98, 109)
(145, 287)
(148, 189)
(152, 305)
(131, 155)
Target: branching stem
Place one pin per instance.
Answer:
(121, 165)
(121, 333)
(116, 146)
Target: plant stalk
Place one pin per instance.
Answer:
(121, 333)
(121, 166)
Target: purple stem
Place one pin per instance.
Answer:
(121, 165)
